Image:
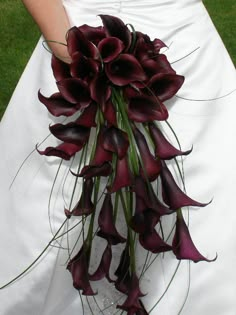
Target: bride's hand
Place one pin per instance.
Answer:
(53, 22)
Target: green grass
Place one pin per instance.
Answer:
(19, 35)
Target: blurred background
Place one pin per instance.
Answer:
(19, 34)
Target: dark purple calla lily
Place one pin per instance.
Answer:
(61, 70)
(172, 194)
(145, 108)
(155, 204)
(116, 141)
(75, 91)
(64, 151)
(71, 133)
(100, 89)
(78, 266)
(159, 65)
(114, 27)
(152, 242)
(104, 266)
(85, 205)
(165, 86)
(123, 175)
(101, 155)
(109, 112)
(83, 68)
(89, 171)
(151, 164)
(144, 221)
(88, 116)
(106, 223)
(125, 70)
(163, 148)
(77, 42)
(93, 34)
(183, 246)
(122, 272)
(57, 105)
(110, 48)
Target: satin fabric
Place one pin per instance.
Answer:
(203, 121)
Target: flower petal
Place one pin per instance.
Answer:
(83, 68)
(183, 246)
(115, 27)
(101, 155)
(93, 34)
(109, 112)
(152, 242)
(57, 105)
(100, 90)
(165, 86)
(124, 70)
(110, 48)
(61, 70)
(116, 141)
(88, 116)
(163, 148)
(158, 65)
(89, 171)
(64, 151)
(71, 133)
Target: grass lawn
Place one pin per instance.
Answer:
(19, 35)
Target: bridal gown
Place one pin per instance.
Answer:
(200, 117)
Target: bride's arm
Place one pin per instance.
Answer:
(52, 21)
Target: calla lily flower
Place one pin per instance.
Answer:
(104, 266)
(85, 205)
(78, 266)
(89, 171)
(83, 68)
(145, 108)
(125, 70)
(144, 221)
(151, 241)
(109, 112)
(183, 246)
(122, 272)
(151, 164)
(159, 65)
(75, 91)
(77, 42)
(106, 223)
(100, 90)
(116, 141)
(101, 155)
(123, 175)
(61, 70)
(57, 105)
(71, 133)
(163, 148)
(93, 34)
(88, 116)
(172, 194)
(165, 86)
(110, 48)
(64, 151)
(114, 27)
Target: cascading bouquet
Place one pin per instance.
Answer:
(116, 85)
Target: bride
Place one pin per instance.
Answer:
(202, 115)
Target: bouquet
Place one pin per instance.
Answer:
(114, 94)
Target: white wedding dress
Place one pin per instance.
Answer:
(210, 172)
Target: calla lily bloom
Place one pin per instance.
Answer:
(104, 266)
(83, 68)
(122, 272)
(100, 90)
(123, 175)
(183, 246)
(64, 151)
(172, 194)
(163, 148)
(110, 48)
(114, 27)
(165, 86)
(91, 33)
(158, 65)
(76, 41)
(89, 171)
(101, 155)
(144, 221)
(85, 205)
(57, 105)
(88, 116)
(71, 133)
(152, 166)
(106, 223)
(116, 141)
(61, 70)
(151, 241)
(78, 266)
(145, 108)
(124, 70)
(109, 112)
(75, 91)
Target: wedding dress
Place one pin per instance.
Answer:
(199, 116)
